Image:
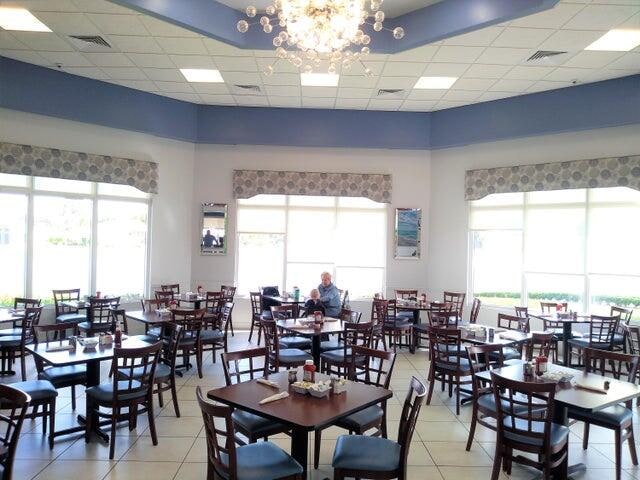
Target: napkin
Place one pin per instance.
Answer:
(273, 398)
(268, 382)
(592, 388)
(509, 336)
(60, 348)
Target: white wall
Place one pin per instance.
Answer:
(448, 249)
(171, 208)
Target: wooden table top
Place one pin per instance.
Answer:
(581, 318)
(328, 327)
(149, 317)
(80, 354)
(6, 315)
(298, 410)
(570, 395)
(285, 300)
(501, 336)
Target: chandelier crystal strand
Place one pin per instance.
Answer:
(320, 31)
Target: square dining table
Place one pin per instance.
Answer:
(10, 315)
(330, 326)
(567, 328)
(569, 395)
(303, 413)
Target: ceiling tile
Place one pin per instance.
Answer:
(357, 81)
(193, 61)
(285, 102)
(571, 40)
(109, 59)
(461, 95)
(281, 79)
(244, 78)
(504, 56)
(66, 59)
(352, 103)
(282, 90)
(182, 46)
(124, 73)
(99, 6)
(280, 66)
(25, 56)
(629, 61)
(185, 97)
(211, 88)
(600, 17)
(511, 85)
(46, 6)
(396, 82)
(522, 37)
(318, 102)
(382, 104)
(92, 72)
(565, 74)
(175, 87)
(478, 84)
(418, 105)
(477, 38)
(134, 44)
(553, 18)
(145, 85)
(489, 96)
(320, 92)
(358, 70)
(164, 74)
(68, 23)
(443, 104)
(607, 74)
(151, 60)
(592, 59)
(543, 85)
(445, 69)
(528, 73)
(420, 54)
(43, 41)
(426, 94)
(486, 71)
(252, 101)
(403, 69)
(346, 92)
(215, 47)
(7, 41)
(236, 64)
(454, 54)
(158, 28)
(218, 99)
(117, 24)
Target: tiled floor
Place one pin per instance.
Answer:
(437, 452)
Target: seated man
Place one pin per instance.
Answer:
(314, 304)
(329, 296)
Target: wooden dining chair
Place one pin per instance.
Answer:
(335, 343)
(475, 310)
(99, 318)
(64, 313)
(511, 322)
(165, 375)
(399, 330)
(379, 317)
(14, 408)
(43, 394)
(277, 356)
(457, 299)
(174, 288)
(619, 338)
(619, 417)
(15, 346)
(289, 340)
(19, 304)
(372, 367)
(191, 322)
(540, 344)
(151, 305)
(550, 307)
(363, 456)
(229, 293)
(214, 338)
(256, 314)
(522, 312)
(601, 332)
(214, 301)
(242, 366)
(338, 361)
(260, 460)
(525, 424)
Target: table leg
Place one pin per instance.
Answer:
(566, 336)
(300, 447)
(564, 470)
(315, 351)
(93, 379)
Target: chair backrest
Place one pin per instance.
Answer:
(457, 299)
(283, 312)
(481, 361)
(191, 322)
(174, 288)
(549, 307)
(225, 315)
(171, 335)
(445, 317)
(379, 311)
(524, 412)
(376, 368)
(221, 441)
(356, 334)
(50, 333)
(22, 303)
(256, 305)
(166, 296)
(625, 315)
(100, 310)
(14, 404)
(270, 331)
(522, 312)
(633, 338)
(602, 329)
(151, 304)
(214, 301)
(442, 342)
(60, 296)
(475, 310)
(228, 292)
(136, 369)
(539, 344)
(511, 322)
(352, 316)
(406, 294)
(233, 363)
(616, 364)
(410, 411)
(344, 298)
(30, 320)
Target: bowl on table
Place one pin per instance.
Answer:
(89, 342)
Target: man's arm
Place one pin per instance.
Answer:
(331, 294)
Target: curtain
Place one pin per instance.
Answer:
(248, 183)
(52, 162)
(593, 173)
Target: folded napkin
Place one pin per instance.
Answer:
(269, 383)
(591, 388)
(59, 348)
(509, 336)
(273, 398)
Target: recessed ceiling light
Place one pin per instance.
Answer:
(319, 79)
(435, 82)
(202, 75)
(20, 19)
(617, 41)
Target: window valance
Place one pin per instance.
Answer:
(52, 162)
(248, 183)
(593, 173)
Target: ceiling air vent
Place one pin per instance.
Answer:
(390, 92)
(544, 56)
(89, 43)
(248, 88)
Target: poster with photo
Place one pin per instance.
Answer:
(408, 231)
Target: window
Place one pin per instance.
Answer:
(289, 240)
(572, 245)
(80, 235)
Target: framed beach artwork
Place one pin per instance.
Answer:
(408, 231)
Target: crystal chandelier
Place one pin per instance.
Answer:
(320, 31)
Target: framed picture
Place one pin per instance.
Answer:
(213, 231)
(408, 231)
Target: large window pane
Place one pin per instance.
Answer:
(10, 180)
(361, 282)
(613, 240)
(61, 245)
(260, 261)
(489, 219)
(497, 267)
(557, 196)
(614, 194)
(555, 288)
(311, 201)
(261, 220)
(500, 199)
(263, 200)
(305, 276)
(121, 251)
(360, 202)
(13, 222)
(608, 290)
(361, 239)
(61, 185)
(120, 190)
(310, 235)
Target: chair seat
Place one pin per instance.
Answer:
(330, 345)
(614, 416)
(9, 332)
(163, 371)
(65, 375)
(12, 341)
(155, 331)
(508, 353)
(421, 327)
(103, 393)
(37, 389)
(207, 336)
(368, 416)
(255, 424)
(488, 402)
(292, 355)
(587, 343)
(301, 343)
(264, 460)
(559, 433)
(618, 338)
(71, 318)
(369, 454)
(338, 356)
(464, 364)
(148, 337)
(399, 324)
(96, 327)
(452, 348)
(405, 314)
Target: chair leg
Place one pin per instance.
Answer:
(152, 422)
(199, 360)
(251, 331)
(585, 436)
(160, 399)
(497, 463)
(89, 421)
(457, 395)
(23, 366)
(52, 422)
(472, 430)
(45, 414)
(632, 446)
(112, 437)
(316, 448)
(73, 397)
(431, 382)
(618, 452)
(174, 397)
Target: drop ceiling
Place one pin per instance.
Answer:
(491, 63)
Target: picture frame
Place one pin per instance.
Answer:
(213, 229)
(408, 232)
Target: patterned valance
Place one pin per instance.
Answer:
(51, 162)
(594, 173)
(376, 187)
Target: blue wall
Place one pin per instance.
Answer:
(44, 91)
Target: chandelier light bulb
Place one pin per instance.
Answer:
(251, 11)
(365, 50)
(270, 10)
(264, 21)
(267, 28)
(368, 72)
(243, 26)
(377, 26)
(379, 16)
(366, 39)
(332, 69)
(277, 41)
(398, 33)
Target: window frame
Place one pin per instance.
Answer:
(31, 192)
